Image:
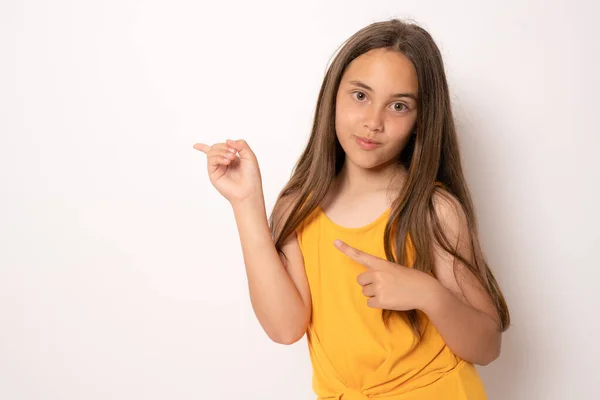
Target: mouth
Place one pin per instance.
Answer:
(364, 139)
(366, 144)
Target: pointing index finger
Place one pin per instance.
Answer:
(202, 147)
(355, 254)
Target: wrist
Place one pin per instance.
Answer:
(433, 297)
(252, 202)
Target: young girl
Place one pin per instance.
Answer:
(372, 248)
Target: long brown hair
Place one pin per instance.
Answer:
(432, 156)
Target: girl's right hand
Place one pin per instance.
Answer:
(236, 178)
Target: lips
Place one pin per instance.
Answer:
(366, 144)
(367, 140)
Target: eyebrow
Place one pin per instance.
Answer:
(367, 87)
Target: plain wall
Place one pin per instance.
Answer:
(121, 272)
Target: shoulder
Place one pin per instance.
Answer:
(454, 241)
(282, 211)
(283, 205)
(459, 269)
(450, 213)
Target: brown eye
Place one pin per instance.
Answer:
(400, 106)
(359, 95)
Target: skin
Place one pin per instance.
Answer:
(360, 192)
(278, 286)
(375, 114)
(461, 310)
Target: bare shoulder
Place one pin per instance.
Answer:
(281, 212)
(455, 227)
(450, 271)
(451, 214)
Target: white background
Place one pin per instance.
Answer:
(121, 273)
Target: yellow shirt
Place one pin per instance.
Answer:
(353, 355)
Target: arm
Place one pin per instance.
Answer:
(464, 313)
(279, 291)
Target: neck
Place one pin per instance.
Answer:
(354, 179)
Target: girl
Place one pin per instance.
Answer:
(372, 248)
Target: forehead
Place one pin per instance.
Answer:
(385, 70)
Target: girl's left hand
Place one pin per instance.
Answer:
(389, 285)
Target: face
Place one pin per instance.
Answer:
(376, 107)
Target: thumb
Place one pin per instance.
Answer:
(242, 148)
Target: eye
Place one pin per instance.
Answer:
(360, 95)
(400, 107)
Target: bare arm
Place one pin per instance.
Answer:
(464, 313)
(279, 291)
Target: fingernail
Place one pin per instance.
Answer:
(231, 150)
(337, 242)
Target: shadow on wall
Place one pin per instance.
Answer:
(490, 183)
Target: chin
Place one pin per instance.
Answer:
(365, 161)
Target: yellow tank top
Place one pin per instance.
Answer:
(353, 355)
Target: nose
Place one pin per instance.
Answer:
(374, 119)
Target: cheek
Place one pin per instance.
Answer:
(347, 119)
(401, 139)
(401, 128)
